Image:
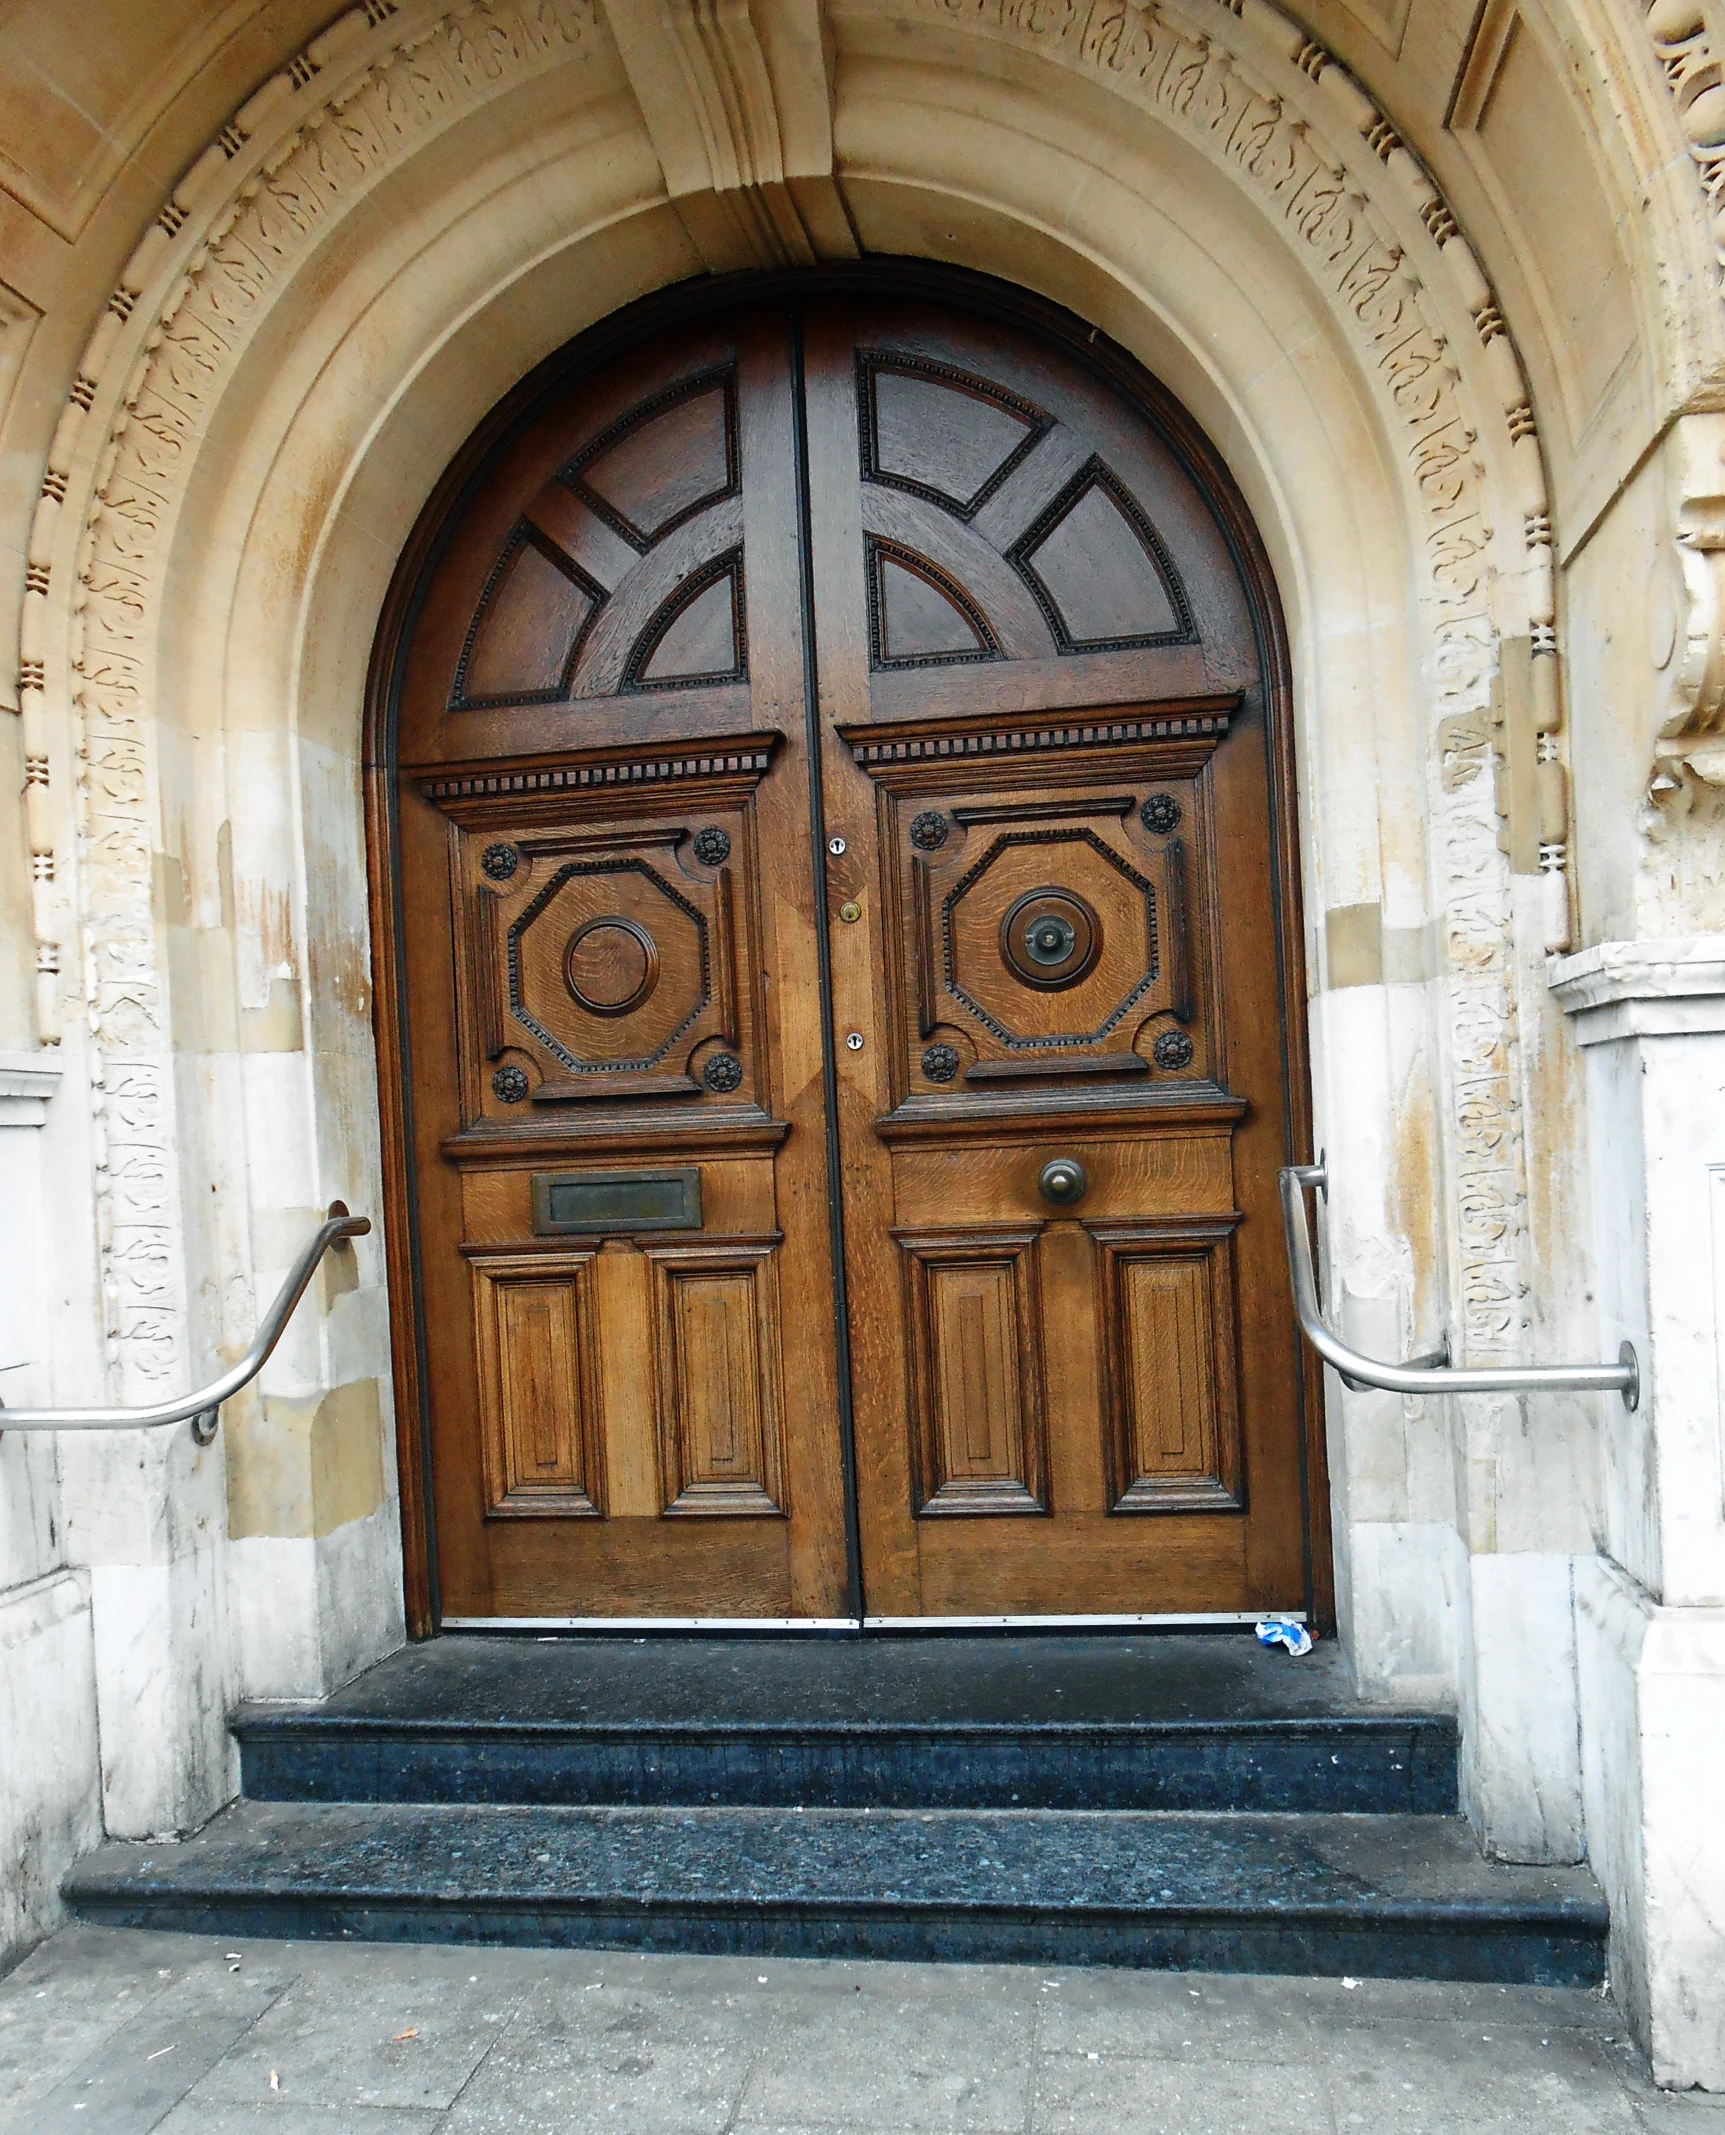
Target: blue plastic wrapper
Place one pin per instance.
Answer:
(1273, 1632)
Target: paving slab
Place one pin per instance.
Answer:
(128, 2033)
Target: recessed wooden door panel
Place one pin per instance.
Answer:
(1170, 1384)
(974, 1316)
(717, 1362)
(1038, 801)
(538, 1386)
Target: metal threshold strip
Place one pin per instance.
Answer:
(768, 1626)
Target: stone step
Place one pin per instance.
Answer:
(1043, 1721)
(1396, 1896)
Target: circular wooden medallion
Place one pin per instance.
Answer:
(1050, 938)
(610, 966)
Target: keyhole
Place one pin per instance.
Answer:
(1049, 939)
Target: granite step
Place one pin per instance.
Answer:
(1040, 1721)
(1393, 1896)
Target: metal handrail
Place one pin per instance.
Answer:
(202, 1408)
(1430, 1374)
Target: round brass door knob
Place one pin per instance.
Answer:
(850, 913)
(1063, 1181)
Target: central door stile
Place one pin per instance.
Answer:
(824, 865)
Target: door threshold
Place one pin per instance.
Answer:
(771, 1626)
(1189, 1620)
(640, 1626)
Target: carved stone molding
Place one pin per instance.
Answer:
(1295, 129)
(1291, 126)
(737, 101)
(292, 158)
(1673, 987)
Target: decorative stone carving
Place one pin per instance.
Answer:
(1294, 128)
(1685, 49)
(360, 96)
(1691, 739)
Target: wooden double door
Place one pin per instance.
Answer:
(847, 990)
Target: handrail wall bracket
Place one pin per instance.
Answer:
(1432, 1373)
(203, 1409)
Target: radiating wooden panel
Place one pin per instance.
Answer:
(697, 636)
(663, 461)
(1171, 1386)
(940, 432)
(975, 1371)
(1100, 569)
(528, 628)
(717, 1378)
(538, 1335)
(918, 615)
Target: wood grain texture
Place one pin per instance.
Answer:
(717, 1366)
(1170, 1369)
(538, 1341)
(976, 1382)
(1039, 605)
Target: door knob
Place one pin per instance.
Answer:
(1063, 1181)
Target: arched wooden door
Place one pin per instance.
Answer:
(848, 1004)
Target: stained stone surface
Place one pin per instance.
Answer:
(1395, 1895)
(124, 2033)
(1099, 1721)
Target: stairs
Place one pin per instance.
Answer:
(1099, 1799)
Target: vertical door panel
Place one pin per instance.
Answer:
(1046, 748)
(606, 914)
(1059, 933)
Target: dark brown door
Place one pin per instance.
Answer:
(906, 1080)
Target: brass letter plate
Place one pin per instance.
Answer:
(613, 1203)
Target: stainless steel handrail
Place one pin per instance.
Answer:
(202, 1408)
(1433, 1374)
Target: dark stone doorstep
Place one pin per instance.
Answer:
(1113, 1860)
(1399, 1896)
(922, 1679)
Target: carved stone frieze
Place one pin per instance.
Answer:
(1298, 135)
(353, 102)
(1298, 131)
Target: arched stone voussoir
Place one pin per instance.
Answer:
(305, 353)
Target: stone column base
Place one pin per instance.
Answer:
(1653, 1773)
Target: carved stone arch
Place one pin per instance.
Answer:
(1284, 141)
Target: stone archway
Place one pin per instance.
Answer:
(388, 236)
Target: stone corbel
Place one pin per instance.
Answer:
(1690, 633)
(737, 100)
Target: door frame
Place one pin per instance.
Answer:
(684, 302)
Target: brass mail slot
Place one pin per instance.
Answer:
(589, 1203)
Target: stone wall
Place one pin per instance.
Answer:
(1443, 285)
